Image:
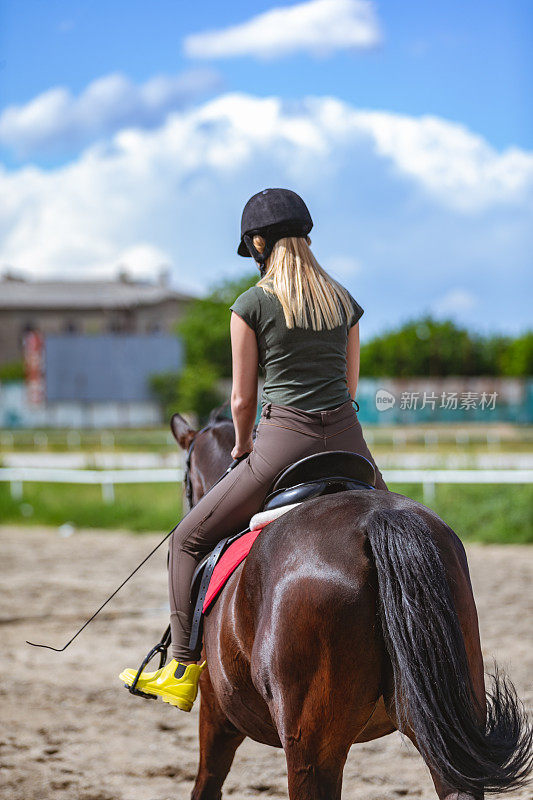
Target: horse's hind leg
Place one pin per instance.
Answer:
(318, 712)
(316, 742)
(318, 666)
(444, 790)
(219, 740)
(467, 615)
(314, 772)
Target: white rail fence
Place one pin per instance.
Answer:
(107, 479)
(107, 440)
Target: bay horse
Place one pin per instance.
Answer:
(352, 617)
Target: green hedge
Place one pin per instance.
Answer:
(499, 513)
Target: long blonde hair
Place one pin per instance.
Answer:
(309, 296)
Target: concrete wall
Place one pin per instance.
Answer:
(387, 401)
(513, 404)
(17, 412)
(411, 401)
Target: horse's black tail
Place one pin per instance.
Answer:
(433, 689)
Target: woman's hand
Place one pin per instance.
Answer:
(241, 450)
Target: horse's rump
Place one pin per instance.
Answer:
(314, 597)
(323, 576)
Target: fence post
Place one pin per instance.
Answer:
(16, 490)
(73, 439)
(428, 488)
(108, 491)
(6, 440)
(493, 439)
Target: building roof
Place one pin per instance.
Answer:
(98, 294)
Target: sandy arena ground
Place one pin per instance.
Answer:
(71, 731)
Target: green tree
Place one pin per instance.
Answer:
(197, 390)
(428, 347)
(193, 390)
(494, 350)
(517, 358)
(204, 329)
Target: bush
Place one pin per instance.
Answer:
(12, 371)
(431, 348)
(517, 357)
(194, 390)
(197, 391)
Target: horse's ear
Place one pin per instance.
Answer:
(182, 431)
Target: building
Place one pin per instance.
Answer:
(84, 307)
(90, 381)
(89, 349)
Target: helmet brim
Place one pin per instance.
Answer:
(242, 250)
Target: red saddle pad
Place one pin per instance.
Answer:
(228, 563)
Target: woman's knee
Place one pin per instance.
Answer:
(180, 541)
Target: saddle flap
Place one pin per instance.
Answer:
(204, 570)
(330, 464)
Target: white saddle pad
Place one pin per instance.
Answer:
(260, 519)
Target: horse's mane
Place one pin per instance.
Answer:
(220, 414)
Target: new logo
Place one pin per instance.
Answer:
(384, 400)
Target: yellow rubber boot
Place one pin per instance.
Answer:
(179, 692)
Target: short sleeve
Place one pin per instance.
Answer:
(357, 313)
(246, 306)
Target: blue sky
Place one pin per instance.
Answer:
(132, 133)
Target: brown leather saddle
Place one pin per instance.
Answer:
(319, 474)
(314, 476)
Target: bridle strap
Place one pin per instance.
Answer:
(187, 475)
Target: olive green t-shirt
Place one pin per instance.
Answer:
(303, 368)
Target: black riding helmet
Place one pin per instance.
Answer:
(272, 214)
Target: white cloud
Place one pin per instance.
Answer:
(456, 166)
(343, 267)
(57, 120)
(319, 27)
(424, 204)
(455, 302)
(451, 162)
(445, 159)
(141, 260)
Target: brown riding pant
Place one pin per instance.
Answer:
(284, 435)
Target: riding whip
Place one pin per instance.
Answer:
(137, 568)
